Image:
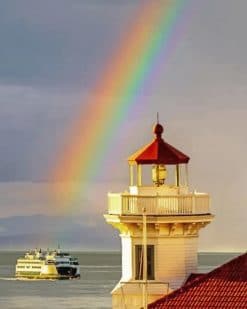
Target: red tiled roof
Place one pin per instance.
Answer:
(224, 287)
(158, 152)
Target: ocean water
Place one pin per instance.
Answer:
(100, 271)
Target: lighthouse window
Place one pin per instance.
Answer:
(139, 262)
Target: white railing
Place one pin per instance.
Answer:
(125, 204)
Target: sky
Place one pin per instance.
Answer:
(53, 52)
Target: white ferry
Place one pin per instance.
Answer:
(55, 264)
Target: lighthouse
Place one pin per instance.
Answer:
(159, 218)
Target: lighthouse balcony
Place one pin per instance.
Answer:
(182, 204)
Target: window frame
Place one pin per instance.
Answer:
(138, 262)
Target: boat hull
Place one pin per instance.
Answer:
(45, 277)
(49, 272)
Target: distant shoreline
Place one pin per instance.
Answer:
(119, 251)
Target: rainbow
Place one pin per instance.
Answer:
(147, 43)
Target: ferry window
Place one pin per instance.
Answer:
(139, 262)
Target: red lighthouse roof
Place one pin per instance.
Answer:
(158, 152)
(224, 287)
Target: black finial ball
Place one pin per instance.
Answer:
(158, 130)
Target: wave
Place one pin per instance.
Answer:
(8, 278)
(23, 279)
(100, 266)
(82, 302)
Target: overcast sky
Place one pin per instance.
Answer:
(52, 52)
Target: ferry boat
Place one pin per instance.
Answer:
(55, 264)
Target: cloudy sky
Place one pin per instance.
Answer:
(51, 54)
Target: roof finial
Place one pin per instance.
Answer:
(158, 129)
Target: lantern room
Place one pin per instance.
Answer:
(161, 164)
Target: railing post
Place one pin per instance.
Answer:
(122, 204)
(193, 203)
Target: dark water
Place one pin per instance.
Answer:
(100, 271)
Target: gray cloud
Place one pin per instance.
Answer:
(32, 124)
(44, 231)
(58, 42)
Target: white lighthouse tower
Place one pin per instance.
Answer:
(159, 219)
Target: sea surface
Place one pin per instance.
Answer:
(100, 271)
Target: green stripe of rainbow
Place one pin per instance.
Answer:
(131, 65)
